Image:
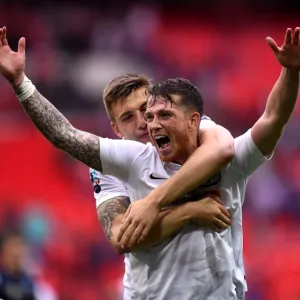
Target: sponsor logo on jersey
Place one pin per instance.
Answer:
(95, 179)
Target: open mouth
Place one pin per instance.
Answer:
(162, 141)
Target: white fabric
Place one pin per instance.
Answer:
(25, 90)
(196, 263)
(107, 187)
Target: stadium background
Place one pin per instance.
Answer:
(73, 49)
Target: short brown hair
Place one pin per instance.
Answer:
(121, 87)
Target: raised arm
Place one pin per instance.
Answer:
(51, 123)
(282, 100)
(216, 150)
(58, 130)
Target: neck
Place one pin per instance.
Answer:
(189, 150)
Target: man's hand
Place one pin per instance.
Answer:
(12, 64)
(210, 213)
(288, 54)
(138, 221)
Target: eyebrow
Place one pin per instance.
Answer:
(147, 113)
(143, 105)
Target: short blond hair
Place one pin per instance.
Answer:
(121, 87)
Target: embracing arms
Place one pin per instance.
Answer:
(207, 212)
(216, 150)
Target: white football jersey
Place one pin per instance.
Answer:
(195, 263)
(107, 187)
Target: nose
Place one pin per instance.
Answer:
(141, 122)
(155, 124)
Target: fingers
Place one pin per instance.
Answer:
(218, 200)
(224, 219)
(288, 36)
(126, 213)
(144, 234)
(1, 36)
(123, 228)
(224, 211)
(273, 45)
(128, 234)
(136, 235)
(21, 46)
(220, 224)
(215, 195)
(296, 36)
(4, 39)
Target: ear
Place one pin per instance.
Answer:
(116, 130)
(194, 121)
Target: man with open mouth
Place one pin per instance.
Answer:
(211, 264)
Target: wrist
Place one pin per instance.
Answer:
(16, 82)
(24, 89)
(188, 211)
(291, 72)
(154, 198)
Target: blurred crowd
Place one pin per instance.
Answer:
(73, 51)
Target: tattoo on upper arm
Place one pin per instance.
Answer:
(58, 130)
(109, 210)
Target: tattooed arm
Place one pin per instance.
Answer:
(58, 130)
(52, 124)
(111, 213)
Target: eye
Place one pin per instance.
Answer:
(127, 118)
(148, 118)
(165, 115)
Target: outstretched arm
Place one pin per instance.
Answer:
(282, 100)
(52, 124)
(58, 130)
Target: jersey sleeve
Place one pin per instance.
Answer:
(117, 156)
(247, 156)
(206, 122)
(106, 187)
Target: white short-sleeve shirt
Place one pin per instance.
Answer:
(107, 187)
(196, 263)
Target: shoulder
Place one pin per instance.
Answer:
(247, 155)
(206, 122)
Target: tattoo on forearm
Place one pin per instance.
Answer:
(58, 130)
(109, 210)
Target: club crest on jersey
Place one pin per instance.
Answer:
(204, 117)
(95, 179)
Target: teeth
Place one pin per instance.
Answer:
(159, 137)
